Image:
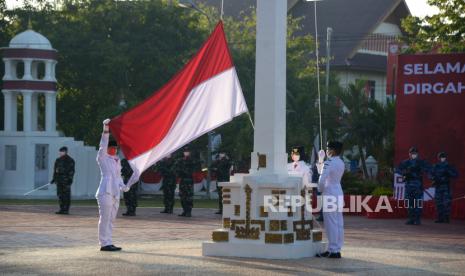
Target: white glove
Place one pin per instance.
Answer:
(126, 188)
(106, 128)
(321, 156)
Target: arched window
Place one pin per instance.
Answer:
(19, 69)
(40, 70)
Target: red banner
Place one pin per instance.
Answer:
(430, 109)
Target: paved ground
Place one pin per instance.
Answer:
(35, 241)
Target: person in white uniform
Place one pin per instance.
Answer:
(297, 166)
(108, 192)
(329, 184)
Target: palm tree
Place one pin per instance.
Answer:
(359, 123)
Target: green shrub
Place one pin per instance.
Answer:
(352, 184)
(382, 190)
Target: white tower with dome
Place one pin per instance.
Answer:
(29, 147)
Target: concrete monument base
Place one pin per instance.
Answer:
(296, 250)
(252, 229)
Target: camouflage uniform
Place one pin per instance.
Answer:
(185, 167)
(166, 169)
(441, 174)
(63, 173)
(412, 170)
(222, 169)
(130, 197)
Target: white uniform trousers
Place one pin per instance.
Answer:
(334, 227)
(108, 208)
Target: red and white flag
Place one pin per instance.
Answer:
(204, 95)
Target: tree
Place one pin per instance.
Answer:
(444, 30)
(110, 50)
(364, 122)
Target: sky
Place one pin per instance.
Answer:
(417, 7)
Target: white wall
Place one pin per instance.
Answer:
(346, 77)
(13, 184)
(388, 29)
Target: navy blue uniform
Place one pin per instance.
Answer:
(413, 170)
(441, 174)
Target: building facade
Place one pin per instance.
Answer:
(29, 142)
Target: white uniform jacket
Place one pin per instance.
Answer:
(302, 169)
(330, 178)
(111, 182)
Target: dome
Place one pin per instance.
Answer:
(31, 40)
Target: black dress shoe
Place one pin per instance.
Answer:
(182, 215)
(324, 254)
(220, 212)
(334, 255)
(61, 212)
(439, 221)
(109, 248)
(116, 248)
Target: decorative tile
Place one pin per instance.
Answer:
(283, 225)
(237, 210)
(260, 222)
(226, 222)
(220, 236)
(317, 235)
(274, 225)
(289, 238)
(263, 214)
(273, 238)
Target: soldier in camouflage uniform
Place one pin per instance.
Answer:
(221, 167)
(167, 170)
(185, 167)
(441, 174)
(412, 171)
(63, 173)
(130, 197)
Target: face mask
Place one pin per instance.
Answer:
(295, 158)
(329, 153)
(443, 159)
(414, 156)
(187, 154)
(112, 151)
(61, 153)
(222, 155)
